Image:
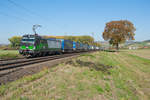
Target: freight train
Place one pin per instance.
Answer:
(35, 45)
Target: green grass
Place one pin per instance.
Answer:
(95, 76)
(88, 55)
(144, 53)
(8, 54)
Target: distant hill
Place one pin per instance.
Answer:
(139, 44)
(127, 44)
(3, 44)
(146, 41)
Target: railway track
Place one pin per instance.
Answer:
(9, 67)
(11, 59)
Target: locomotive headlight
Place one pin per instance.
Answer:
(33, 47)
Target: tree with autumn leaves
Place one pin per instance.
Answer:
(117, 32)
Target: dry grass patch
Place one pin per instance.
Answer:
(145, 53)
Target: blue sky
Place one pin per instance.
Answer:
(71, 17)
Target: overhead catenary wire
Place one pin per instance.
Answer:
(21, 7)
(93, 35)
(32, 13)
(15, 17)
(98, 36)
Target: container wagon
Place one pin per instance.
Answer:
(85, 47)
(66, 45)
(54, 46)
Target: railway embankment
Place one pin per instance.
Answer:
(93, 76)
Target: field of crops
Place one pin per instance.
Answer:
(97, 76)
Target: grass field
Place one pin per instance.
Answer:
(96, 76)
(6, 54)
(145, 53)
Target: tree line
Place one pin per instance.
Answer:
(15, 40)
(81, 39)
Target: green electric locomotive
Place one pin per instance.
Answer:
(35, 45)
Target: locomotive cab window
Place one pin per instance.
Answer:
(28, 40)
